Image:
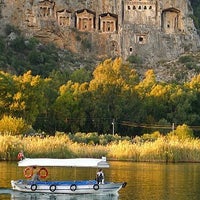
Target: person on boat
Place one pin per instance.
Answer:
(100, 177)
(36, 177)
(20, 155)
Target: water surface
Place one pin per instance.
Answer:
(146, 181)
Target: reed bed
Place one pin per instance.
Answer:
(163, 149)
(49, 146)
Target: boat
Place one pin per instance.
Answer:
(31, 185)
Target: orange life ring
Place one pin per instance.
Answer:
(43, 172)
(28, 172)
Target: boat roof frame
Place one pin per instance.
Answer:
(71, 162)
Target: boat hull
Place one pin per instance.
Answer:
(67, 187)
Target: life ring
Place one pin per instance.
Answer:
(33, 187)
(73, 187)
(43, 173)
(28, 172)
(95, 186)
(52, 188)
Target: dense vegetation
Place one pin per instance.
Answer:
(115, 99)
(19, 55)
(196, 9)
(45, 90)
(176, 146)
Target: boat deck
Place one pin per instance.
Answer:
(83, 182)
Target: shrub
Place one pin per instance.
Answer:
(2, 45)
(186, 59)
(151, 137)
(9, 29)
(182, 132)
(134, 59)
(18, 44)
(87, 44)
(13, 126)
(35, 57)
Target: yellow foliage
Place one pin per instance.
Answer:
(113, 73)
(164, 149)
(28, 78)
(12, 126)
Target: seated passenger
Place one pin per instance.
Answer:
(100, 177)
(36, 177)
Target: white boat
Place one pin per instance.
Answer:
(66, 186)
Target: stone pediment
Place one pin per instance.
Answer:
(108, 16)
(85, 12)
(64, 11)
(171, 10)
(46, 3)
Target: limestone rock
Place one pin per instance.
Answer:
(154, 30)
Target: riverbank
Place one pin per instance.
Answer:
(163, 149)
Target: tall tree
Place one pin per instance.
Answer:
(7, 91)
(28, 101)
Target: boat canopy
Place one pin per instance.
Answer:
(73, 162)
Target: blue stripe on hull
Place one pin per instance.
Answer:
(66, 187)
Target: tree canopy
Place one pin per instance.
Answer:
(112, 96)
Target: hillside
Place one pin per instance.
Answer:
(153, 30)
(181, 69)
(19, 55)
(46, 36)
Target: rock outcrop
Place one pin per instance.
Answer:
(154, 30)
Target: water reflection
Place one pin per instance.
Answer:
(146, 181)
(6, 194)
(60, 197)
(158, 181)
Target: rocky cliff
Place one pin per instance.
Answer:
(154, 30)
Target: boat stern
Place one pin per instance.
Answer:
(14, 185)
(18, 185)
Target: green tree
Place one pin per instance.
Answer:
(70, 106)
(81, 76)
(112, 79)
(28, 101)
(7, 90)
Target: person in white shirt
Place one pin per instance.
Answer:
(100, 177)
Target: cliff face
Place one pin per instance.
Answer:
(152, 29)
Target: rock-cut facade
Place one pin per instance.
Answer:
(153, 30)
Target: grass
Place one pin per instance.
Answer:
(163, 149)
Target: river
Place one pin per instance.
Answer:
(145, 181)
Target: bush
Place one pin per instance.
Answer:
(182, 132)
(87, 44)
(134, 59)
(186, 59)
(35, 57)
(18, 44)
(9, 29)
(13, 126)
(2, 46)
(151, 137)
